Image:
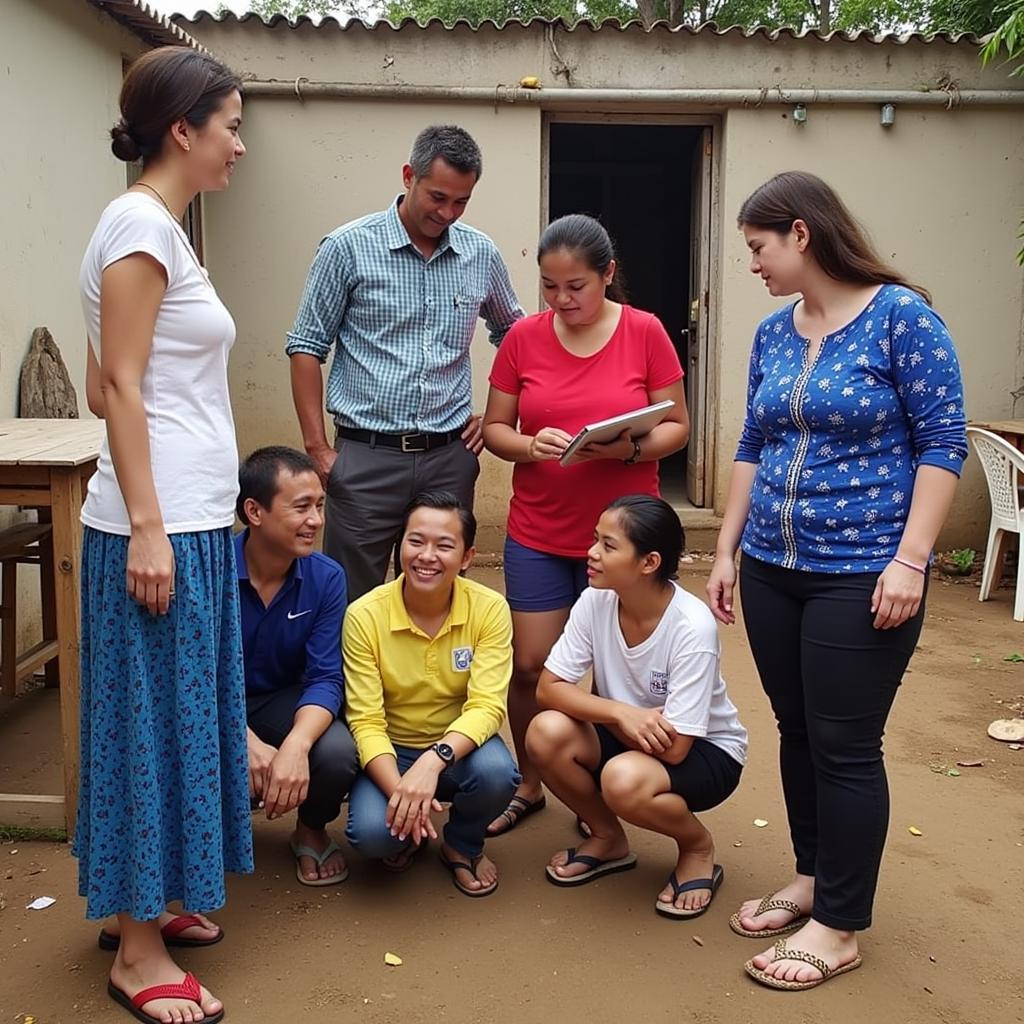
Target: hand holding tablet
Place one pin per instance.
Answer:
(639, 422)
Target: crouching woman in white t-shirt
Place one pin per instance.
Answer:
(658, 739)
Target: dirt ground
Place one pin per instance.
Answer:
(945, 947)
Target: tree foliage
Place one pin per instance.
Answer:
(291, 9)
(978, 16)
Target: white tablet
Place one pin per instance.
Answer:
(639, 421)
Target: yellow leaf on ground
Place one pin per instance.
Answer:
(392, 960)
(915, 831)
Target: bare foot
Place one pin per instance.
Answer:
(510, 817)
(691, 864)
(208, 930)
(319, 840)
(835, 947)
(603, 847)
(800, 891)
(486, 871)
(161, 970)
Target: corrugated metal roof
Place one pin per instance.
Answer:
(144, 21)
(611, 24)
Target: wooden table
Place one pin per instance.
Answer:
(44, 464)
(1008, 430)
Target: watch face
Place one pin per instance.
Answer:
(444, 751)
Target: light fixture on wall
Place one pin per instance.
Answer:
(799, 114)
(888, 115)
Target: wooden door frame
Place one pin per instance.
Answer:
(707, 428)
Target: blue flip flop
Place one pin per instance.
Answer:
(678, 888)
(597, 867)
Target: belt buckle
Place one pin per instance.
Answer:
(407, 446)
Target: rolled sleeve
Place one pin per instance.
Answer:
(752, 439)
(489, 676)
(693, 675)
(324, 300)
(500, 309)
(324, 681)
(572, 655)
(364, 691)
(929, 384)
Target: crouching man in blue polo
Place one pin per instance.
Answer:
(293, 600)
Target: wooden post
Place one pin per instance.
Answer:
(66, 491)
(47, 594)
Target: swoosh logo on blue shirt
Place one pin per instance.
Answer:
(297, 615)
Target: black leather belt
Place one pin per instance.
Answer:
(403, 442)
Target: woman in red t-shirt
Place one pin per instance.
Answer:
(586, 358)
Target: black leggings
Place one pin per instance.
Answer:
(831, 678)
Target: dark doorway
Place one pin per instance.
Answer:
(637, 180)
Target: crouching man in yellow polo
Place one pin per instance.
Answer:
(428, 660)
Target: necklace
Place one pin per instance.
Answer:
(146, 184)
(181, 231)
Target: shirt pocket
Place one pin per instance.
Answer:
(465, 302)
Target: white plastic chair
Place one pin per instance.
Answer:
(1004, 473)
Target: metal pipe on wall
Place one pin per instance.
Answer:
(302, 88)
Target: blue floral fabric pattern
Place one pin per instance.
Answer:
(837, 441)
(164, 798)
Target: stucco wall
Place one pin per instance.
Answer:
(61, 67)
(918, 189)
(310, 168)
(917, 186)
(61, 63)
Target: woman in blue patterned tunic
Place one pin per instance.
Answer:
(164, 803)
(850, 454)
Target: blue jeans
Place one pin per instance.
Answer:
(479, 787)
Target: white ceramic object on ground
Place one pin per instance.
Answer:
(1008, 730)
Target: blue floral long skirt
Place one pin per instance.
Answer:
(163, 807)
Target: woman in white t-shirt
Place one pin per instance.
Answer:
(658, 738)
(164, 802)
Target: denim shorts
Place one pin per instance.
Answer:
(538, 582)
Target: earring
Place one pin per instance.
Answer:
(187, 147)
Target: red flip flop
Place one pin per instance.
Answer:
(188, 989)
(171, 933)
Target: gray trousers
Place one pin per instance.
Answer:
(333, 762)
(367, 493)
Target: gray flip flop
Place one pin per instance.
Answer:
(298, 850)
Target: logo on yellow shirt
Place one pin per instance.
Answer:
(462, 658)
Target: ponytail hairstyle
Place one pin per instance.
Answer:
(651, 525)
(162, 87)
(586, 238)
(837, 242)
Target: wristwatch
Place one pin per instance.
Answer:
(445, 752)
(635, 457)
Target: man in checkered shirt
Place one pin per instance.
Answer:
(397, 294)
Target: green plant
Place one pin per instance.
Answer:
(28, 833)
(1009, 36)
(961, 559)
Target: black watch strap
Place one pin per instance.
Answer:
(635, 457)
(445, 752)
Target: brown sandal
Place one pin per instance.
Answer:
(518, 809)
(769, 903)
(782, 952)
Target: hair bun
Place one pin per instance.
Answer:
(123, 143)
